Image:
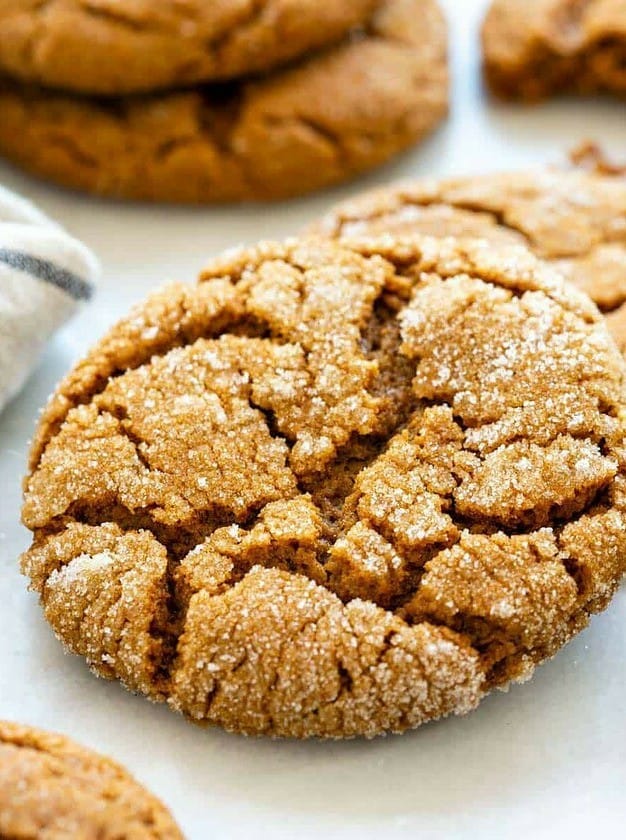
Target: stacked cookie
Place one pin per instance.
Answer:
(210, 102)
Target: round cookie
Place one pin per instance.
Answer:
(113, 47)
(51, 787)
(335, 489)
(535, 48)
(273, 138)
(574, 219)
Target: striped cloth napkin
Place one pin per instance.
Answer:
(45, 275)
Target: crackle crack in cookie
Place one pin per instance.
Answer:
(573, 219)
(533, 49)
(53, 789)
(112, 47)
(335, 489)
(259, 139)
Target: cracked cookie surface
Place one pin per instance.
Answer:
(50, 787)
(573, 219)
(533, 49)
(264, 139)
(113, 47)
(335, 489)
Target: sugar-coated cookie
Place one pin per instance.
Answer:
(334, 489)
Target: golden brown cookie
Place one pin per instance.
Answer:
(334, 489)
(575, 220)
(115, 47)
(54, 789)
(318, 123)
(535, 48)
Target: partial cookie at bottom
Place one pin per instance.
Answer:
(52, 787)
(317, 123)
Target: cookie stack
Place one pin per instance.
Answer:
(213, 102)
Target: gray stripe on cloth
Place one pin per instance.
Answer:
(47, 271)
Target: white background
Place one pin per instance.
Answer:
(548, 759)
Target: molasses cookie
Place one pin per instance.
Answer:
(113, 47)
(334, 489)
(535, 48)
(51, 787)
(576, 220)
(320, 122)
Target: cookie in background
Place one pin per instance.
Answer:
(574, 218)
(112, 47)
(533, 49)
(320, 121)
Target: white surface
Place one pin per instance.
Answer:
(548, 759)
